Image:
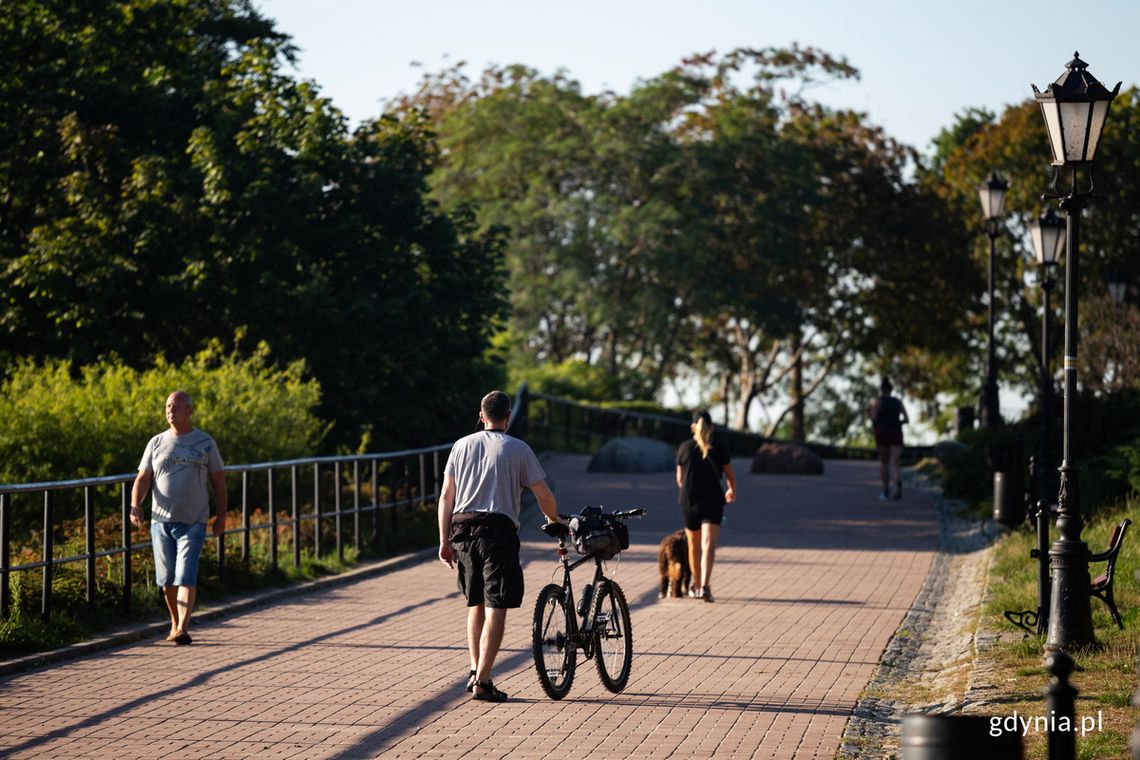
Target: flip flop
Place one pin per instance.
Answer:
(182, 639)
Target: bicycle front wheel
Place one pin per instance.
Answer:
(613, 637)
(555, 656)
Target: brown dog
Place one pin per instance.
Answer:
(673, 563)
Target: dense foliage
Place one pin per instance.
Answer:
(164, 183)
(713, 222)
(57, 424)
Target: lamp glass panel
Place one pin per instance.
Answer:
(984, 194)
(1053, 126)
(1036, 233)
(1116, 292)
(1074, 122)
(1099, 114)
(997, 202)
(1055, 241)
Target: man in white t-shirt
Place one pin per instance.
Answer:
(183, 465)
(478, 530)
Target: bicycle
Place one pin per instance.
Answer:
(604, 631)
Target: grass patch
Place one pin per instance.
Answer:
(1106, 675)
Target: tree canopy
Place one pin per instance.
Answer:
(164, 182)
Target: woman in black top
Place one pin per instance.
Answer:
(700, 464)
(887, 418)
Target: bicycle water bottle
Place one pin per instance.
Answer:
(584, 602)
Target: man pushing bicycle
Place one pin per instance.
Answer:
(478, 530)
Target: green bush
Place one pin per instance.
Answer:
(59, 422)
(572, 378)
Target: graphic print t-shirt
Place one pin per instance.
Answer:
(181, 465)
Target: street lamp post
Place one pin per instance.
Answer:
(1047, 234)
(992, 193)
(1075, 108)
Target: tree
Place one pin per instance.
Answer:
(164, 183)
(1016, 146)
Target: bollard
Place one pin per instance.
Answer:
(953, 737)
(1134, 742)
(1060, 702)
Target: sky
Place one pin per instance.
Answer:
(921, 62)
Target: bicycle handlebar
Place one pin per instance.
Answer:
(621, 515)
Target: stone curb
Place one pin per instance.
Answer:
(229, 607)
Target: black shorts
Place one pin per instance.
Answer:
(487, 552)
(697, 514)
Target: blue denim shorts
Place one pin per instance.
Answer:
(177, 547)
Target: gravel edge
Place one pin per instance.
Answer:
(934, 651)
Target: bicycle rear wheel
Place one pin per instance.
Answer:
(613, 637)
(555, 656)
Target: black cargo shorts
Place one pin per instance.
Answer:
(487, 551)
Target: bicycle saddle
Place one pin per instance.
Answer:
(556, 530)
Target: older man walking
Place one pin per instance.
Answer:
(183, 465)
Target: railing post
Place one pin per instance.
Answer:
(296, 519)
(245, 518)
(407, 481)
(568, 426)
(5, 556)
(393, 497)
(49, 555)
(316, 510)
(336, 503)
(356, 506)
(435, 476)
(272, 521)
(423, 479)
(375, 505)
(89, 530)
(125, 506)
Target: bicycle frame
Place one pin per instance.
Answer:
(581, 634)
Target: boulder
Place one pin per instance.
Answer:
(633, 455)
(948, 452)
(786, 459)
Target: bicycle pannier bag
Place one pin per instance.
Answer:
(598, 535)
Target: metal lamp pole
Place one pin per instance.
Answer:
(992, 193)
(1048, 237)
(1047, 234)
(1075, 108)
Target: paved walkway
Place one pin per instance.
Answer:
(813, 576)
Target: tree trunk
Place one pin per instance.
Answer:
(797, 390)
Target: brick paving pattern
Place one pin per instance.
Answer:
(813, 575)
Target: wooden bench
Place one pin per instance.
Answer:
(1102, 584)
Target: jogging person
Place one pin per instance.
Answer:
(478, 530)
(888, 415)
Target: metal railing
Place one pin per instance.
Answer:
(387, 481)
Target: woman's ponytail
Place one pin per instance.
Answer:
(702, 432)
